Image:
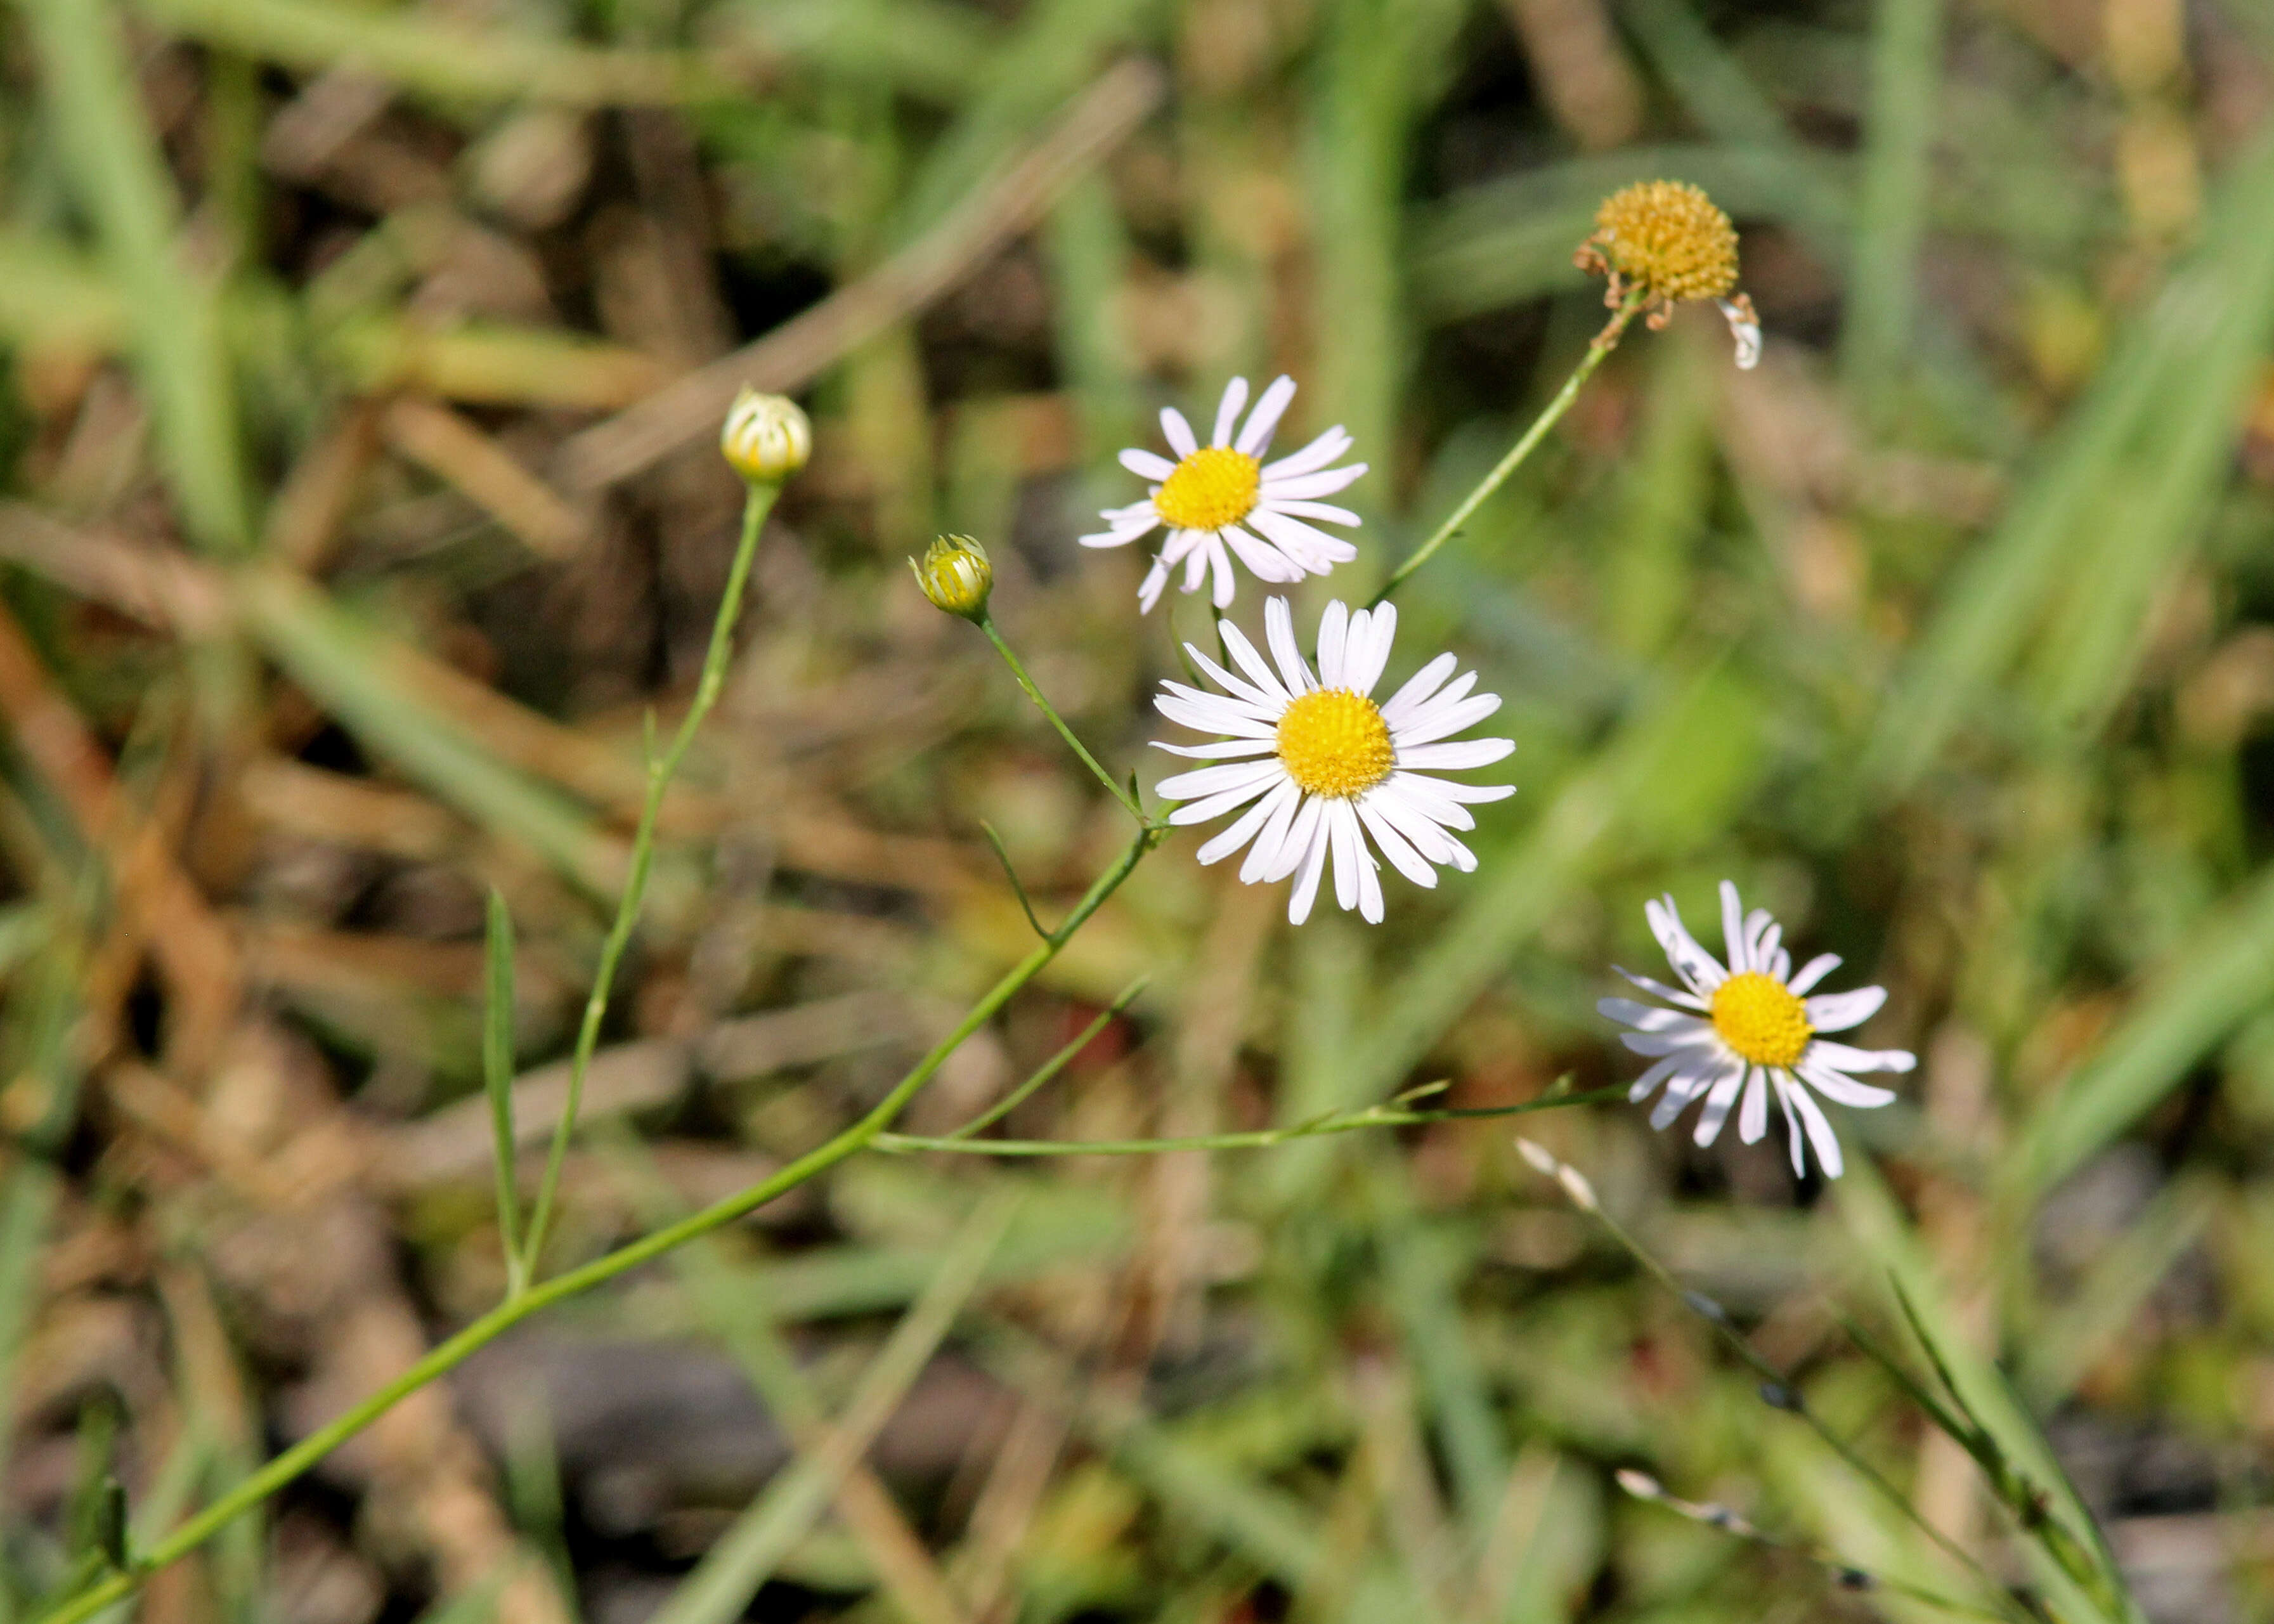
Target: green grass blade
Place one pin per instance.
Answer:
(497, 1075)
(340, 661)
(1890, 202)
(121, 177)
(731, 1571)
(436, 58)
(2153, 386)
(2064, 1346)
(2225, 975)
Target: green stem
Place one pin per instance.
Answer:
(1601, 345)
(448, 1355)
(1727, 1334)
(987, 625)
(659, 770)
(1052, 1067)
(1261, 1138)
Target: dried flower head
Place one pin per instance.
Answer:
(766, 437)
(1667, 241)
(955, 575)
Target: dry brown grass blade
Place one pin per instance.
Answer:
(305, 519)
(486, 474)
(195, 953)
(793, 353)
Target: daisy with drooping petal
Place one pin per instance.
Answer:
(1755, 1029)
(1333, 770)
(1223, 500)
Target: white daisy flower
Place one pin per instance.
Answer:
(1755, 1030)
(1222, 499)
(1332, 767)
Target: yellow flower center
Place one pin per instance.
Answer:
(1668, 237)
(1334, 742)
(1213, 488)
(1758, 1016)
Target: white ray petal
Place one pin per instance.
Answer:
(1396, 846)
(1672, 995)
(1841, 1058)
(1718, 1104)
(1733, 929)
(1698, 969)
(1203, 782)
(1814, 971)
(1264, 856)
(1147, 465)
(1434, 723)
(1418, 689)
(1250, 823)
(1178, 432)
(1313, 862)
(1312, 458)
(1334, 628)
(1279, 632)
(1838, 1087)
(1836, 1011)
(1263, 422)
(1457, 755)
(1303, 487)
(1369, 652)
(1227, 410)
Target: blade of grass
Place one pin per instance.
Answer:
(1422, 1267)
(2068, 1343)
(2150, 394)
(497, 1079)
(2225, 975)
(333, 656)
(1378, 66)
(1891, 1253)
(121, 178)
(1891, 197)
(449, 60)
(731, 1572)
(1716, 91)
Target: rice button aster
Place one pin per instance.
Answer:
(1222, 500)
(1330, 772)
(1755, 1029)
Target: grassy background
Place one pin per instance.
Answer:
(359, 498)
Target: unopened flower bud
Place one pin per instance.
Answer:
(955, 575)
(766, 438)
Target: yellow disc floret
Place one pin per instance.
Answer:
(1759, 1017)
(1334, 742)
(1213, 488)
(1666, 237)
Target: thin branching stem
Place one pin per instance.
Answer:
(660, 770)
(1787, 1398)
(1389, 1115)
(1027, 685)
(1600, 346)
(1052, 1067)
(449, 1355)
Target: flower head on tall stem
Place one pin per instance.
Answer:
(1222, 500)
(1332, 768)
(956, 576)
(766, 438)
(1754, 1029)
(1662, 242)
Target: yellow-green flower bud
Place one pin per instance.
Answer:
(767, 438)
(956, 575)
